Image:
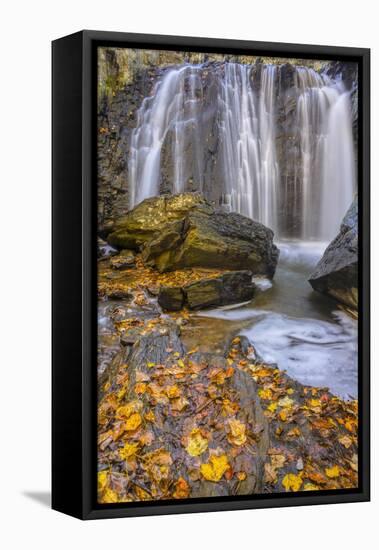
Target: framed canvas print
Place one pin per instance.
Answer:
(210, 274)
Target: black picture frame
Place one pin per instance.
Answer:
(74, 274)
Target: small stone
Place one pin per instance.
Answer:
(300, 464)
(124, 260)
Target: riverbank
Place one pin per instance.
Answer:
(188, 407)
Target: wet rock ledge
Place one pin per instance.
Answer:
(336, 274)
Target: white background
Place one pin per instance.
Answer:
(26, 31)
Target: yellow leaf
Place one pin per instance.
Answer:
(150, 416)
(133, 422)
(278, 461)
(140, 388)
(265, 394)
(102, 478)
(215, 468)
(179, 404)
(332, 472)
(237, 435)
(181, 364)
(121, 394)
(241, 476)
(285, 402)
(310, 487)
(283, 415)
(295, 432)
(290, 391)
(172, 392)
(197, 444)
(182, 489)
(109, 496)
(292, 482)
(229, 407)
(272, 407)
(151, 365)
(346, 441)
(126, 410)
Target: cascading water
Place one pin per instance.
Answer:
(181, 119)
(247, 135)
(327, 180)
(173, 110)
(274, 143)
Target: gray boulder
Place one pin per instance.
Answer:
(180, 231)
(336, 274)
(229, 288)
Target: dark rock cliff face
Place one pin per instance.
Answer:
(116, 120)
(128, 81)
(336, 273)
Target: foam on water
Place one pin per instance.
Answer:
(298, 329)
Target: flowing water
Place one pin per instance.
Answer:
(288, 323)
(291, 325)
(185, 110)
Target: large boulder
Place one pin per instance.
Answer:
(229, 288)
(336, 274)
(150, 217)
(187, 231)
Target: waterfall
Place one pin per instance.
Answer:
(214, 128)
(247, 135)
(327, 154)
(173, 110)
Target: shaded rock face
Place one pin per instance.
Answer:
(229, 288)
(336, 273)
(187, 231)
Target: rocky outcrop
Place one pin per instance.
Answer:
(187, 231)
(336, 274)
(124, 260)
(228, 288)
(176, 424)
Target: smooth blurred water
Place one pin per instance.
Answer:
(300, 330)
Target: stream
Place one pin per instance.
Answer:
(303, 332)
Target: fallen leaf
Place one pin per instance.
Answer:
(285, 402)
(133, 422)
(182, 489)
(215, 468)
(102, 478)
(125, 411)
(310, 487)
(237, 434)
(150, 416)
(128, 450)
(292, 482)
(272, 407)
(270, 475)
(140, 388)
(346, 441)
(332, 472)
(173, 392)
(278, 461)
(265, 394)
(197, 444)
